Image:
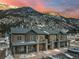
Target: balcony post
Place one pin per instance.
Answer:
(59, 43)
(68, 44)
(37, 44)
(46, 45)
(14, 51)
(37, 48)
(52, 44)
(27, 49)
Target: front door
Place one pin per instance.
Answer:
(55, 44)
(32, 48)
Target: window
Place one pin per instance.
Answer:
(46, 36)
(19, 37)
(20, 49)
(62, 37)
(41, 37)
(30, 37)
(72, 34)
(33, 37)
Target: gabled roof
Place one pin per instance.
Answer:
(45, 31)
(19, 30)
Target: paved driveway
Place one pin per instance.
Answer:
(37, 55)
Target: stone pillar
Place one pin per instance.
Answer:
(37, 47)
(58, 44)
(52, 44)
(38, 41)
(58, 40)
(46, 45)
(27, 50)
(68, 44)
(66, 40)
(13, 50)
(64, 43)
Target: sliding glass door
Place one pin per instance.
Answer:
(20, 49)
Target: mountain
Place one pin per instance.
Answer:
(21, 11)
(27, 15)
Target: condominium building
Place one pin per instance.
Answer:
(28, 40)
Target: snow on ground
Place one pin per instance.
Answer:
(9, 57)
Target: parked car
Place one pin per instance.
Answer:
(74, 50)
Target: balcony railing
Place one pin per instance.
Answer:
(42, 40)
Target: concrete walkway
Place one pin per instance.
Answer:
(37, 55)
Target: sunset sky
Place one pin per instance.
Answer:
(69, 8)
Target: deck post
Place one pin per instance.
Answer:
(59, 44)
(14, 51)
(52, 44)
(27, 49)
(38, 41)
(46, 45)
(68, 44)
(37, 48)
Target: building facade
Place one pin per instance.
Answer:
(73, 36)
(24, 40)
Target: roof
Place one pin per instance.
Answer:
(19, 30)
(35, 30)
(46, 31)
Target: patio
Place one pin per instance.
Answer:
(37, 55)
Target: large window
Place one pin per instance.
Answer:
(63, 37)
(63, 44)
(20, 49)
(19, 37)
(47, 37)
(41, 38)
(31, 37)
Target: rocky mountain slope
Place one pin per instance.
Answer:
(27, 16)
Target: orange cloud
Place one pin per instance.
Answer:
(39, 6)
(36, 4)
(71, 13)
(15, 2)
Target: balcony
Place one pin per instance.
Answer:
(21, 43)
